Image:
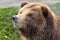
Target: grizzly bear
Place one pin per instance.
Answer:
(36, 21)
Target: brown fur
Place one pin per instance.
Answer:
(45, 25)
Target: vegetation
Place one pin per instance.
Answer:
(7, 31)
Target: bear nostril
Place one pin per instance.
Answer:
(14, 17)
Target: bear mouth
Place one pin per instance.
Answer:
(17, 25)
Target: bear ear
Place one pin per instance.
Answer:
(45, 11)
(23, 4)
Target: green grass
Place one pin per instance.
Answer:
(7, 31)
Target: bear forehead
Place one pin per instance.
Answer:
(31, 6)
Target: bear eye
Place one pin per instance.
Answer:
(29, 15)
(34, 10)
(20, 12)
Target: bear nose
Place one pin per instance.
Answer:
(14, 17)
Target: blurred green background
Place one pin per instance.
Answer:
(7, 31)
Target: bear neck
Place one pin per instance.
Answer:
(35, 34)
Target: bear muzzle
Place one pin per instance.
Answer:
(14, 17)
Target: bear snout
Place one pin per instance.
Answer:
(14, 17)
